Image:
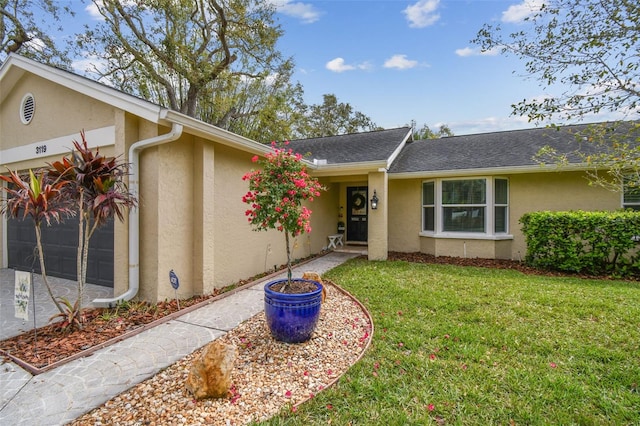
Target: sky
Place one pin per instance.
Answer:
(403, 61)
(400, 61)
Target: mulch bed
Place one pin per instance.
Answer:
(49, 344)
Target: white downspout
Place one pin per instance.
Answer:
(134, 217)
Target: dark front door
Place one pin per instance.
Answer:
(357, 197)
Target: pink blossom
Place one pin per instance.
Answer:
(254, 159)
(431, 407)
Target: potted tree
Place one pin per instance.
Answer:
(276, 193)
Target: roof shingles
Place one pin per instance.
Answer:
(515, 148)
(353, 148)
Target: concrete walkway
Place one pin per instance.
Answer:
(61, 395)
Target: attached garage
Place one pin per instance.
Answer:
(60, 242)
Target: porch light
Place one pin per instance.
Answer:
(374, 201)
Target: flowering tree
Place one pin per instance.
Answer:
(276, 193)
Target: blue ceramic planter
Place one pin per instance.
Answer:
(292, 317)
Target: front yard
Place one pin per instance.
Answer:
(464, 345)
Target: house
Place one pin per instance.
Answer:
(456, 196)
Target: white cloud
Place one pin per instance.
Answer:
(88, 65)
(400, 62)
(339, 65)
(469, 51)
(488, 124)
(306, 12)
(93, 12)
(518, 12)
(422, 14)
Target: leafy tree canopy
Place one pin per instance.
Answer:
(591, 50)
(331, 118)
(426, 133)
(27, 27)
(589, 47)
(177, 52)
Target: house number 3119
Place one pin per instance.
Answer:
(41, 149)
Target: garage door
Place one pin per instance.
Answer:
(60, 243)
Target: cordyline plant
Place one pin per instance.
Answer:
(87, 184)
(276, 193)
(34, 196)
(95, 184)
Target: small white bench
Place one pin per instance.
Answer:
(334, 240)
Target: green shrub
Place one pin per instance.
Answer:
(586, 242)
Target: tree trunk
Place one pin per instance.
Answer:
(42, 268)
(289, 272)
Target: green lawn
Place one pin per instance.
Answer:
(456, 345)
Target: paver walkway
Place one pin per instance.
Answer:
(60, 395)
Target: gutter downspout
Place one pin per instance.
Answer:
(134, 217)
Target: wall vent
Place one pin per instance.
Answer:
(27, 108)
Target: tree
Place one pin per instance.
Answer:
(426, 133)
(260, 109)
(591, 50)
(276, 193)
(331, 118)
(590, 47)
(26, 27)
(178, 52)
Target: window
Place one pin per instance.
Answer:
(631, 196)
(501, 204)
(428, 206)
(469, 206)
(463, 205)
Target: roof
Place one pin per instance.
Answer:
(16, 66)
(70, 80)
(498, 150)
(376, 146)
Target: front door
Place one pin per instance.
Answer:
(357, 213)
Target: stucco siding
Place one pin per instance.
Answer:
(405, 215)
(239, 251)
(58, 112)
(555, 192)
(378, 225)
(529, 192)
(148, 202)
(60, 115)
(324, 220)
(175, 216)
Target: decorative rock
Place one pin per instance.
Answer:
(210, 374)
(314, 276)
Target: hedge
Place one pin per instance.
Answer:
(596, 243)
